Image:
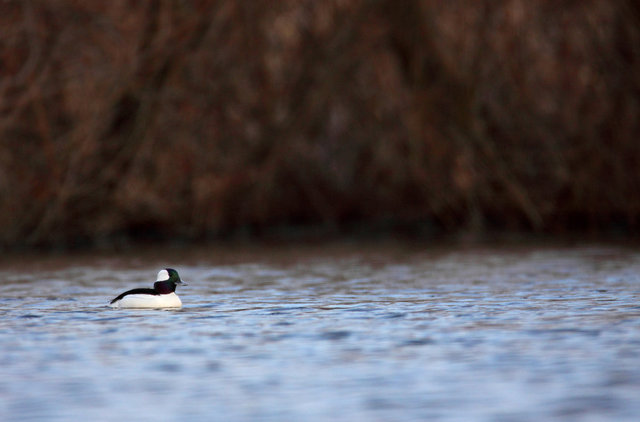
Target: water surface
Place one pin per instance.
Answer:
(349, 333)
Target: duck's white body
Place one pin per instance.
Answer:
(170, 300)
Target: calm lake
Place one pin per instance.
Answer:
(347, 332)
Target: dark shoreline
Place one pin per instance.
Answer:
(218, 121)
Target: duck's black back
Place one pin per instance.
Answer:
(143, 291)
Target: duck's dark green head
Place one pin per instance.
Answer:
(170, 275)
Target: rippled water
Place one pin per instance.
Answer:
(349, 333)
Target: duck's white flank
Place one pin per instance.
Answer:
(170, 300)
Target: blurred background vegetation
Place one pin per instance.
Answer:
(196, 120)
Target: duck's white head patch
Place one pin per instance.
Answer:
(163, 275)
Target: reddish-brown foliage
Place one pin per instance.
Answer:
(192, 119)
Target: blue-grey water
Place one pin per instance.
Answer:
(340, 333)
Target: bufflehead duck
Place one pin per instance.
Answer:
(161, 296)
